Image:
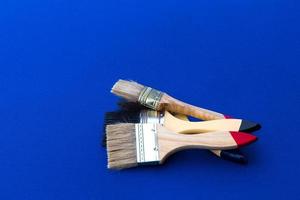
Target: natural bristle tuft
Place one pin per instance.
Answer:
(121, 146)
(119, 117)
(128, 90)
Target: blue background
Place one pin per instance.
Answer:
(59, 59)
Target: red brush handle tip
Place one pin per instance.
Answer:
(243, 139)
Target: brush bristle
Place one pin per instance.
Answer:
(121, 146)
(130, 106)
(129, 90)
(119, 117)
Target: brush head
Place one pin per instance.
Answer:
(117, 117)
(128, 90)
(243, 139)
(121, 146)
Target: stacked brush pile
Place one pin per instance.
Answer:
(151, 125)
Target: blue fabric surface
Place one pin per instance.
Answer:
(59, 59)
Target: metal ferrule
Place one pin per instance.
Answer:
(152, 117)
(150, 98)
(147, 143)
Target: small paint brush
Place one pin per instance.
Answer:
(157, 100)
(129, 145)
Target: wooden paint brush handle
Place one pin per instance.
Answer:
(174, 105)
(184, 126)
(170, 142)
(217, 152)
(158, 100)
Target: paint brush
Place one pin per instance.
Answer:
(129, 145)
(157, 100)
(125, 106)
(178, 124)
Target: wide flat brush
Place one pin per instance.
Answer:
(231, 155)
(168, 121)
(129, 145)
(157, 100)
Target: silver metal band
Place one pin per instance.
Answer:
(146, 143)
(150, 98)
(152, 117)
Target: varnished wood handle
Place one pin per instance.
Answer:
(183, 126)
(174, 105)
(170, 142)
(217, 152)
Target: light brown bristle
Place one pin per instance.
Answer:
(121, 146)
(129, 90)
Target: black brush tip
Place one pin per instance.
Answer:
(103, 143)
(130, 106)
(121, 117)
(248, 126)
(234, 156)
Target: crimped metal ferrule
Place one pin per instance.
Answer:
(150, 98)
(147, 143)
(151, 117)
